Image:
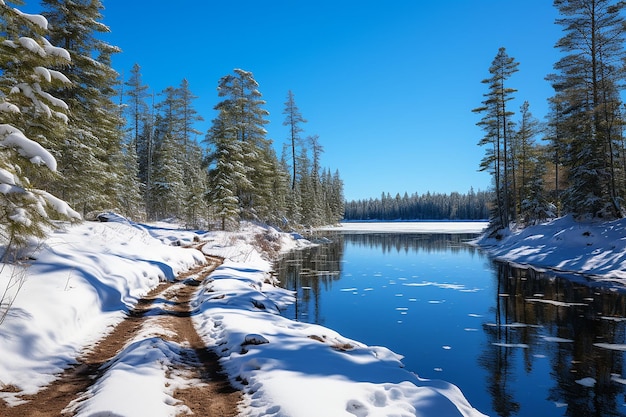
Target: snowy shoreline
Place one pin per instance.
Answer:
(85, 279)
(596, 250)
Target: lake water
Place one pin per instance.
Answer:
(515, 341)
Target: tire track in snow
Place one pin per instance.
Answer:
(166, 306)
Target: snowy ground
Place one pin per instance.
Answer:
(86, 278)
(596, 249)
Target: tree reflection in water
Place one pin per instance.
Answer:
(562, 318)
(544, 337)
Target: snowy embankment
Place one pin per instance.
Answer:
(595, 249)
(85, 279)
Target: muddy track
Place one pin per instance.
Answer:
(214, 397)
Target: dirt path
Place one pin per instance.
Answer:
(214, 397)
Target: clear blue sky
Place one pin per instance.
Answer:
(387, 85)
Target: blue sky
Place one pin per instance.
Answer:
(387, 85)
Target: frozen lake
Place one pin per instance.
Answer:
(517, 342)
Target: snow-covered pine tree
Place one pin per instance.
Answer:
(196, 183)
(292, 196)
(227, 171)
(90, 152)
(167, 191)
(28, 114)
(336, 201)
(185, 116)
(243, 104)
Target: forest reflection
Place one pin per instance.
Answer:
(310, 270)
(412, 242)
(541, 316)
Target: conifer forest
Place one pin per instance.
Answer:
(579, 167)
(77, 139)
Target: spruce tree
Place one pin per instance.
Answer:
(524, 155)
(29, 118)
(141, 127)
(89, 154)
(227, 171)
(246, 118)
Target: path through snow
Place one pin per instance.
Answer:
(160, 326)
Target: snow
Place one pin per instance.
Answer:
(86, 277)
(9, 108)
(31, 45)
(36, 19)
(596, 249)
(410, 227)
(10, 136)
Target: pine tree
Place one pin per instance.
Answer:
(194, 177)
(28, 112)
(227, 171)
(246, 118)
(90, 153)
(167, 190)
(293, 119)
(587, 82)
(138, 110)
(141, 120)
(318, 198)
(525, 151)
(556, 148)
(497, 126)
(306, 189)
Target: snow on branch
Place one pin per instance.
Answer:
(36, 19)
(43, 73)
(56, 75)
(33, 151)
(55, 50)
(59, 205)
(7, 107)
(32, 45)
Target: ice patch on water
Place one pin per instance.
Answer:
(556, 339)
(611, 346)
(618, 378)
(618, 319)
(512, 345)
(553, 302)
(587, 382)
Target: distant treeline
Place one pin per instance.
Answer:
(429, 206)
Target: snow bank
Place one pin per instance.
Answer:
(82, 283)
(565, 245)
